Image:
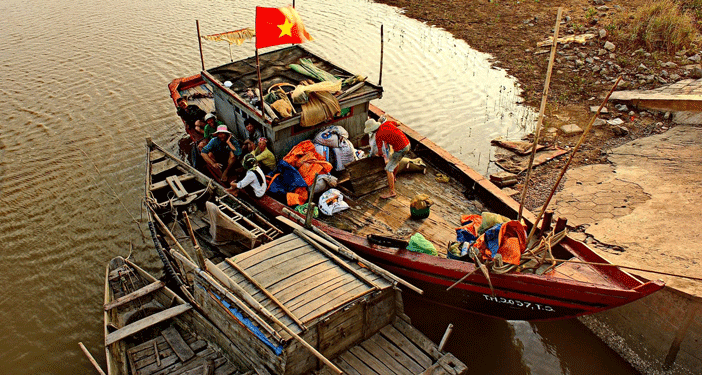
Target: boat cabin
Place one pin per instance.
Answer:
(234, 85)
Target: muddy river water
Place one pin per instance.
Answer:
(84, 82)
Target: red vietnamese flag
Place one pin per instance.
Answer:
(279, 26)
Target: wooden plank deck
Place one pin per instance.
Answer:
(303, 279)
(371, 214)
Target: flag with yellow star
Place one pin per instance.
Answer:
(279, 26)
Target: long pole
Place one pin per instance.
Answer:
(199, 42)
(570, 159)
(91, 359)
(380, 75)
(544, 96)
(260, 87)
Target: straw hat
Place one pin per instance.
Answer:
(371, 126)
(222, 129)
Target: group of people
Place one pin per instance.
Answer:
(224, 153)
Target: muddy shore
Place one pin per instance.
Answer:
(582, 74)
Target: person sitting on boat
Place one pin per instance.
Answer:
(254, 180)
(191, 114)
(253, 133)
(222, 151)
(391, 135)
(264, 156)
(211, 124)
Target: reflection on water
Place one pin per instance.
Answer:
(85, 81)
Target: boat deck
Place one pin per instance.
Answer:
(371, 214)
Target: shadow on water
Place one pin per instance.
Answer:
(494, 346)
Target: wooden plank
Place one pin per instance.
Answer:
(356, 363)
(176, 186)
(381, 355)
(162, 166)
(447, 365)
(418, 338)
(270, 250)
(370, 360)
(408, 362)
(155, 155)
(346, 367)
(149, 321)
(321, 294)
(341, 330)
(162, 184)
(156, 285)
(403, 343)
(270, 272)
(206, 354)
(308, 283)
(341, 297)
(179, 346)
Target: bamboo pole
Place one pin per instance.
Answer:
(266, 292)
(570, 159)
(338, 247)
(91, 359)
(275, 320)
(620, 266)
(169, 234)
(196, 245)
(199, 42)
(539, 123)
(260, 87)
(380, 75)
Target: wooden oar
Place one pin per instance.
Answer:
(196, 245)
(90, 357)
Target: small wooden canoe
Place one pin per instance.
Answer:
(151, 330)
(292, 302)
(585, 285)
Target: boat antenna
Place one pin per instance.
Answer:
(537, 132)
(199, 42)
(380, 75)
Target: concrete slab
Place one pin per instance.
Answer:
(571, 129)
(647, 205)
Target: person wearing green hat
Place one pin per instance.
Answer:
(254, 180)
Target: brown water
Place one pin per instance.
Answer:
(83, 82)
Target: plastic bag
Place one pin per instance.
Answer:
(420, 244)
(331, 202)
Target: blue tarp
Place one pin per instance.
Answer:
(288, 180)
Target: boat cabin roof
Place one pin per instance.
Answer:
(275, 70)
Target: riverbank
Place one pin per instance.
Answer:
(582, 74)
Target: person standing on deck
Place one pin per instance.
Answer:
(191, 114)
(222, 151)
(388, 133)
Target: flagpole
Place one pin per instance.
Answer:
(260, 87)
(199, 42)
(380, 76)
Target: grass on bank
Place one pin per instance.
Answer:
(662, 25)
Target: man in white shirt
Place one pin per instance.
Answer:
(255, 180)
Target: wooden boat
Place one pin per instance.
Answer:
(291, 301)
(151, 330)
(581, 283)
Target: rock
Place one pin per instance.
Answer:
(589, 60)
(618, 8)
(666, 115)
(609, 46)
(601, 51)
(664, 73)
(598, 2)
(650, 78)
(579, 63)
(615, 121)
(612, 56)
(603, 33)
(669, 64)
(695, 58)
(621, 107)
(620, 131)
(571, 129)
(594, 21)
(598, 122)
(602, 8)
(642, 68)
(674, 77)
(696, 72)
(593, 109)
(632, 113)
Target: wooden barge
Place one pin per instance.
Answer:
(291, 303)
(541, 291)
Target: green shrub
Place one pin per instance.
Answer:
(660, 25)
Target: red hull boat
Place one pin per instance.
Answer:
(580, 283)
